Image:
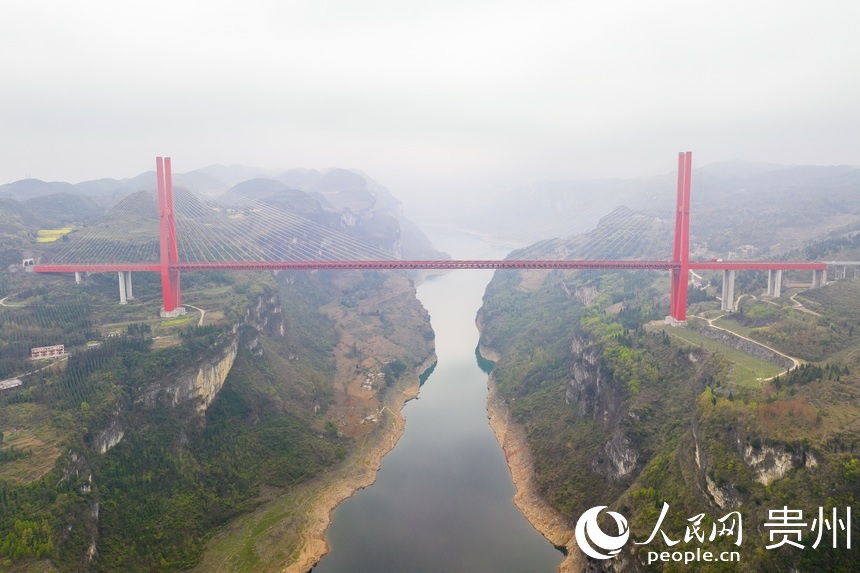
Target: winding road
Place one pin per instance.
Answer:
(202, 313)
(794, 360)
(3, 302)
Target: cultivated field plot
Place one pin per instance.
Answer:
(747, 371)
(27, 428)
(51, 235)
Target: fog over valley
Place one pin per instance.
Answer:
(347, 287)
(438, 101)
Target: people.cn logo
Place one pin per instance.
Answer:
(589, 534)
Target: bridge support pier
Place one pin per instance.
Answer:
(728, 303)
(122, 294)
(819, 278)
(774, 283)
(177, 311)
(128, 292)
(78, 279)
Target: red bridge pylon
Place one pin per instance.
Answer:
(167, 238)
(681, 250)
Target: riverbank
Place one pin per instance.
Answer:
(512, 438)
(287, 531)
(357, 473)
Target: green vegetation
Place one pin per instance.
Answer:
(744, 371)
(124, 455)
(632, 414)
(174, 493)
(170, 476)
(175, 475)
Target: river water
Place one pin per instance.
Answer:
(443, 499)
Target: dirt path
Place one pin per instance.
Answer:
(800, 306)
(3, 302)
(19, 376)
(202, 313)
(796, 362)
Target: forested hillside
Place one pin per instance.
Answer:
(735, 206)
(151, 434)
(624, 411)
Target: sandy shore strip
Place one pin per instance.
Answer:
(543, 517)
(358, 473)
(287, 532)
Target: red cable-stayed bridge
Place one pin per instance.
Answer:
(169, 265)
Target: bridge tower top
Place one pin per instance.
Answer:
(681, 247)
(169, 251)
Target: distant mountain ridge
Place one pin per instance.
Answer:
(333, 197)
(352, 198)
(733, 204)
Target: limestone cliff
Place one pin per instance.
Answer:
(761, 463)
(201, 381)
(198, 383)
(597, 396)
(109, 437)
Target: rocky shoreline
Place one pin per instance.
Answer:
(512, 438)
(357, 473)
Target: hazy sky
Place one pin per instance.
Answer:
(426, 97)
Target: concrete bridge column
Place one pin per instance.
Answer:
(774, 283)
(122, 296)
(77, 278)
(128, 291)
(728, 303)
(819, 278)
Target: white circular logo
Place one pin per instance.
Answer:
(589, 534)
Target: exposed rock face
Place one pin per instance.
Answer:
(769, 463)
(723, 499)
(588, 388)
(202, 380)
(619, 458)
(109, 437)
(587, 295)
(266, 316)
(347, 219)
(211, 375)
(201, 384)
(596, 396)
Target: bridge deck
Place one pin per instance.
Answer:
(435, 265)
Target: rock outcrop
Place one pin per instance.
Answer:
(200, 382)
(597, 396)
